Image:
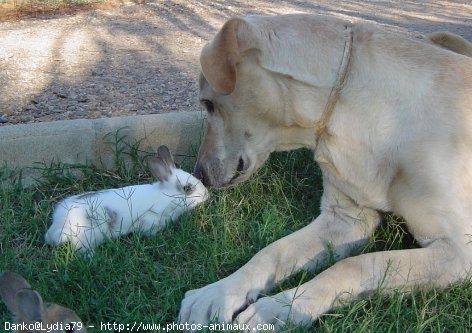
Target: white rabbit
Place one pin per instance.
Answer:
(88, 219)
(30, 313)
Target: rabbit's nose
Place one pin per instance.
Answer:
(199, 173)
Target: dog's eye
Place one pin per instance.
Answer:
(209, 106)
(188, 188)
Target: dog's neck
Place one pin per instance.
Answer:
(320, 126)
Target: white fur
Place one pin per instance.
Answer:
(88, 219)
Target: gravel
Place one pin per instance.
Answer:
(143, 59)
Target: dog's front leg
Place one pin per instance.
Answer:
(436, 266)
(341, 226)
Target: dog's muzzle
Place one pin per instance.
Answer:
(200, 173)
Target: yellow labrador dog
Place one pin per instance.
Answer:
(389, 118)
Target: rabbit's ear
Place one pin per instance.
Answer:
(159, 168)
(29, 305)
(10, 284)
(164, 153)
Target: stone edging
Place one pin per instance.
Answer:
(88, 140)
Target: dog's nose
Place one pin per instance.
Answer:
(199, 173)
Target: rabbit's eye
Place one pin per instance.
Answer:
(188, 188)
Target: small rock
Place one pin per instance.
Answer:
(31, 108)
(26, 119)
(59, 94)
(129, 107)
(36, 113)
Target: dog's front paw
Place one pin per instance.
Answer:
(271, 314)
(268, 313)
(218, 301)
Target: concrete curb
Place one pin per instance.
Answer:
(88, 140)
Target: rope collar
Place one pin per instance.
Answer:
(320, 126)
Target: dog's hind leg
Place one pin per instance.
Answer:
(452, 42)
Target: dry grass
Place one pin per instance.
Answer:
(12, 10)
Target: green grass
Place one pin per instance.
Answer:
(136, 279)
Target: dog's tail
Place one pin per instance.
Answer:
(452, 42)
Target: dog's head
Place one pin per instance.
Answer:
(264, 83)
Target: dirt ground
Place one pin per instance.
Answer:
(141, 59)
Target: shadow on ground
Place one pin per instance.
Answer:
(141, 59)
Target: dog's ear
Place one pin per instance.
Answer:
(220, 57)
(304, 47)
